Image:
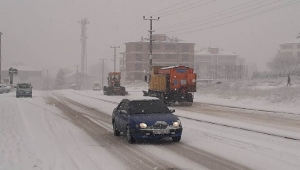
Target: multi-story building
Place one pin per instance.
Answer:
(290, 48)
(215, 63)
(166, 51)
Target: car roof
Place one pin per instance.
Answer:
(24, 83)
(142, 99)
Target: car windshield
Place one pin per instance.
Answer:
(148, 107)
(23, 86)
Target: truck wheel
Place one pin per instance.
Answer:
(176, 139)
(116, 132)
(130, 138)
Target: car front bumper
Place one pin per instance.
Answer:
(156, 133)
(24, 94)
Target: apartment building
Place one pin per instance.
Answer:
(166, 51)
(290, 48)
(216, 63)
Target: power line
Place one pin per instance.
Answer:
(243, 18)
(131, 31)
(220, 12)
(224, 17)
(166, 8)
(124, 36)
(188, 8)
(180, 7)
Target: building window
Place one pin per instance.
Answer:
(156, 56)
(170, 46)
(171, 56)
(138, 66)
(138, 47)
(287, 54)
(287, 46)
(185, 48)
(185, 58)
(156, 46)
(139, 76)
(205, 58)
(138, 57)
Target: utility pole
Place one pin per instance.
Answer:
(102, 71)
(47, 82)
(150, 31)
(77, 82)
(0, 58)
(115, 56)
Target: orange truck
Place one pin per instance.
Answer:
(172, 84)
(114, 85)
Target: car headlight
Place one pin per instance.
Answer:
(176, 124)
(143, 125)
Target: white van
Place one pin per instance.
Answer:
(96, 85)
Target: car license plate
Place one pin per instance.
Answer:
(161, 131)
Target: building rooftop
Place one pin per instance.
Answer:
(294, 41)
(161, 38)
(218, 51)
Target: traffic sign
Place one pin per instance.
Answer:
(13, 71)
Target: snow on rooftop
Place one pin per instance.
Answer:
(220, 52)
(294, 41)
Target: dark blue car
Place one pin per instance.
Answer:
(145, 119)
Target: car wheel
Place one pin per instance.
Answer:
(31, 96)
(116, 132)
(130, 139)
(17, 96)
(176, 139)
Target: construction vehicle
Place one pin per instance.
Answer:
(172, 84)
(114, 87)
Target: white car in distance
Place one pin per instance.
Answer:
(4, 88)
(96, 85)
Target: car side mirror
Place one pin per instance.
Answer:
(123, 111)
(172, 110)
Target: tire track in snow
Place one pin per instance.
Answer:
(130, 155)
(245, 108)
(209, 122)
(196, 155)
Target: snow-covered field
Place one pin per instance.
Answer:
(37, 135)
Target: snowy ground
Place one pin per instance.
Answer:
(35, 134)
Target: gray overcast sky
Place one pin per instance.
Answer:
(46, 33)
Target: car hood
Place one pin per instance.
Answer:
(24, 89)
(150, 119)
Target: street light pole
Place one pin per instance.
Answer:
(0, 58)
(102, 71)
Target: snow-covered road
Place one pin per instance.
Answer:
(38, 133)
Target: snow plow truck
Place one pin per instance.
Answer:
(172, 84)
(114, 85)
